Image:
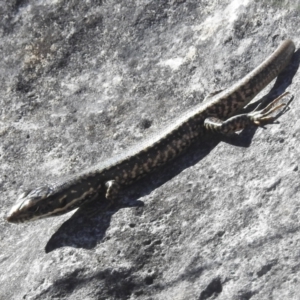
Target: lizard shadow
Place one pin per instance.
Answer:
(82, 231)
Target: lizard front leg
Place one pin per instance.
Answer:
(112, 190)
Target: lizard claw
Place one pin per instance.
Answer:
(264, 116)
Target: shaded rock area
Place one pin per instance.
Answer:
(83, 80)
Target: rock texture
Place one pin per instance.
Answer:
(82, 80)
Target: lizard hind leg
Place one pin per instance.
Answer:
(263, 116)
(239, 122)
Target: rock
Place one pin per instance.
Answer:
(83, 80)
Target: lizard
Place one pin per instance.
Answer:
(219, 113)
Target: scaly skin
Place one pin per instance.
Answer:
(105, 180)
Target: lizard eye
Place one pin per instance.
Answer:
(63, 201)
(33, 209)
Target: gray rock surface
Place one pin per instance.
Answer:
(83, 80)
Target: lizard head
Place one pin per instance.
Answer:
(46, 201)
(30, 205)
(49, 201)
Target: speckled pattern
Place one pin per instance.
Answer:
(157, 151)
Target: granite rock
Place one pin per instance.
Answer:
(83, 80)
